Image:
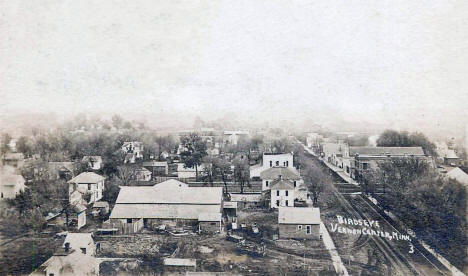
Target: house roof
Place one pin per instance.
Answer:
(155, 164)
(74, 263)
(78, 240)
(69, 166)
(451, 154)
(134, 143)
(274, 173)
(281, 184)
(170, 194)
(87, 177)
(459, 175)
(333, 148)
(180, 262)
(101, 204)
(142, 170)
(394, 151)
(171, 183)
(209, 216)
(298, 215)
(95, 158)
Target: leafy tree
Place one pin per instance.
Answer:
(392, 138)
(241, 173)
(316, 180)
(23, 145)
(195, 150)
(4, 141)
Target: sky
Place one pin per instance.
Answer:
(396, 63)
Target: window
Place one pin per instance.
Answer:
(83, 250)
(277, 193)
(287, 192)
(299, 227)
(266, 183)
(365, 166)
(287, 204)
(277, 163)
(51, 274)
(89, 187)
(308, 229)
(277, 203)
(271, 164)
(129, 220)
(284, 164)
(295, 184)
(212, 223)
(287, 163)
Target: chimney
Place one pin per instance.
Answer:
(67, 247)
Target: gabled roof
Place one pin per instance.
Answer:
(459, 175)
(172, 194)
(11, 179)
(78, 240)
(56, 166)
(298, 215)
(86, 177)
(281, 184)
(274, 173)
(451, 154)
(393, 151)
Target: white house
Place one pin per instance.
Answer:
(94, 162)
(282, 193)
(142, 174)
(272, 160)
(76, 257)
(88, 183)
(271, 174)
(134, 147)
(11, 184)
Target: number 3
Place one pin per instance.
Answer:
(411, 250)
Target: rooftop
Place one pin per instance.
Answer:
(286, 173)
(78, 240)
(87, 177)
(382, 151)
(459, 175)
(281, 184)
(298, 215)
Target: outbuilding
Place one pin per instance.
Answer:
(299, 223)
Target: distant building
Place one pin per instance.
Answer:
(15, 160)
(333, 153)
(134, 147)
(94, 162)
(142, 174)
(186, 172)
(210, 222)
(299, 223)
(61, 170)
(11, 184)
(459, 175)
(232, 137)
(365, 158)
(157, 168)
(88, 183)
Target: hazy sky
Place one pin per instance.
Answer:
(399, 62)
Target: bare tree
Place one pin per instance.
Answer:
(126, 174)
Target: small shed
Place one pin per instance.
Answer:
(209, 223)
(100, 208)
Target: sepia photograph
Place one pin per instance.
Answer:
(226, 138)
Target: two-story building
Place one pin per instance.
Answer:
(94, 162)
(282, 193)
(134, 147)
(88, 183)
(11, 183)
